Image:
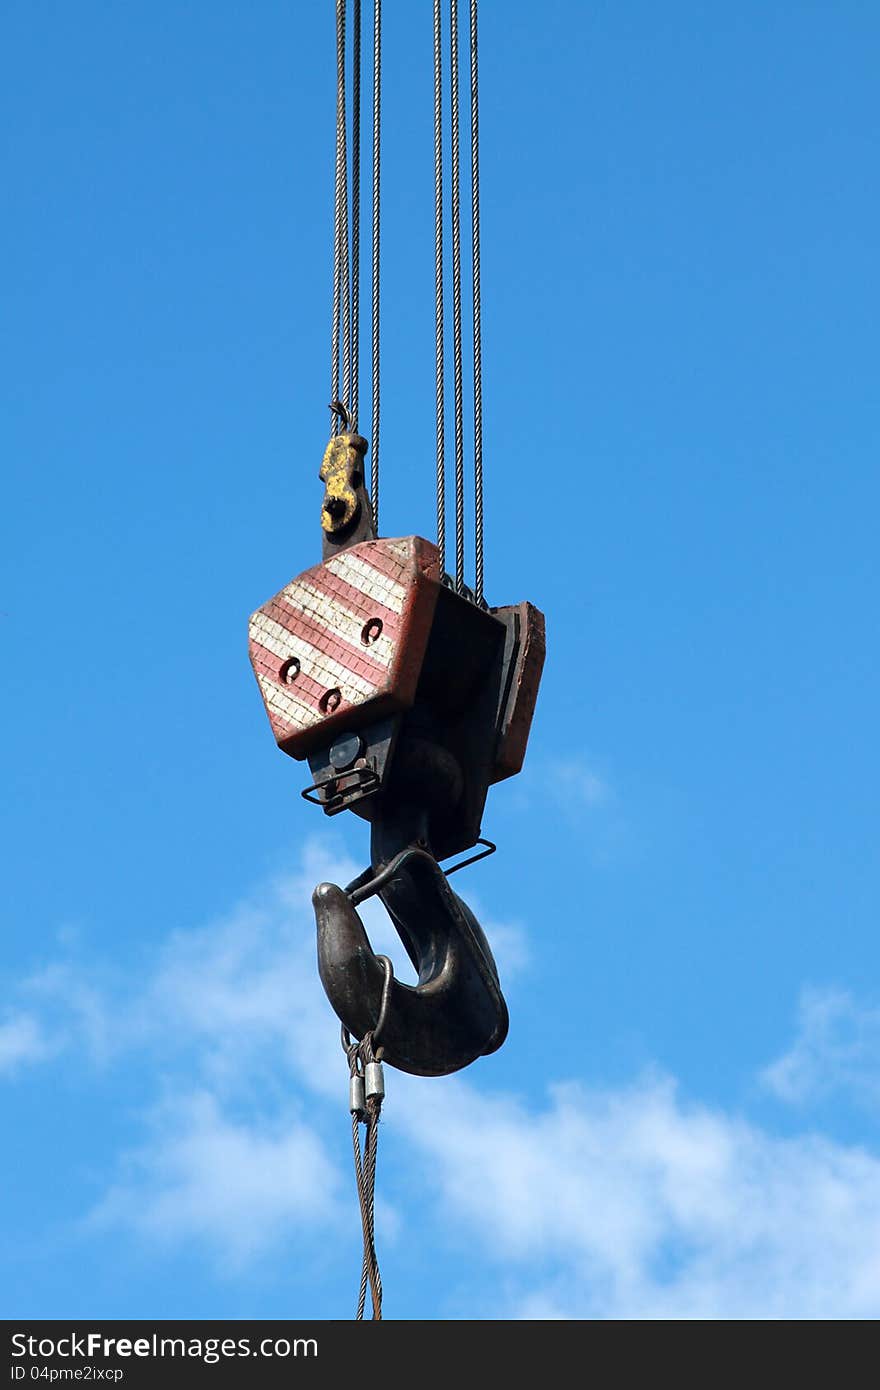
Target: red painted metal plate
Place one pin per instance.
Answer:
(516, 719)
(343, 643)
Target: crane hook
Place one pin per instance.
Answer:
(456, 1012)
(409, 701)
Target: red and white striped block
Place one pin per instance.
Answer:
(343, 644)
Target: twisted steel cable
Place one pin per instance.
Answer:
(365, 1174)
(478, 328)
(359, 1179)
(372, 1148)
(343, 240)
(337, 210)
(354, 326)
(345, 258)
(456, 301)
(438, 282)
(377, 130)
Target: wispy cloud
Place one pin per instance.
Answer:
(836, 1049)
(576, 783)
(220, 1015)
(631, 1203)
(626, 1201)
(581, 798)
(241, 989)
(23, 1040)
(239, 1186)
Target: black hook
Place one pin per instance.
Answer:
(437, 762)
(456, 1012)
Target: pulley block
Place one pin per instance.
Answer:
(408, 700)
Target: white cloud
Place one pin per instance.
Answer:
(617, 1202)
(63, 1009)
(836, 1049)
(240, 1187)
(23, 1040)
(630, 1203)
(575, 782)
(244, 988)
(77, 1008)
(239, 989)
(583, 796)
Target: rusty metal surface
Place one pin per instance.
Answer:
(525, 662)
(409, 700)
(346, 514)
(343, 643)
(446, 749)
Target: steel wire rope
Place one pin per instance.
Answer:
(359, 1179)
(371, 1150)
(374, 384)
(345, 248)
(456, 297)
(477, 309)
(352, 1052)
(354, 323)
(363, 1058)
(337, 214)
(438, 283)
(365, 1171)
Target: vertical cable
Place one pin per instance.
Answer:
(377, 127)
(344, 240)
(354, 346)
(438, 281)
(456, 302)
(359, 1179)
(478, 329)
(337, 208)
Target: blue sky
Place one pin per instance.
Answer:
(680, 223)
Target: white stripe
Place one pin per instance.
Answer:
(322, 669)
(367, 580)
(333, 615)
(401, 547)
(271, 635)
(284, 705)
